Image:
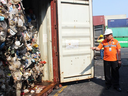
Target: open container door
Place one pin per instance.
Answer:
(45, 11)
(75, 40)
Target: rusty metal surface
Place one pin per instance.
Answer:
(47, 89)
(54, 40)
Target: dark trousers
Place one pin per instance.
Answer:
(111, 72)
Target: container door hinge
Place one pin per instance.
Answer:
(56, 53)
(55, 1)
(55, 26)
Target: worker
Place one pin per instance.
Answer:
(112, 48)
(99, 40)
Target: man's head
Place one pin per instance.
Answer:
(108, 34)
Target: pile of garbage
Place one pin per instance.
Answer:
(20, 59)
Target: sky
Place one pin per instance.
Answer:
(110, 7)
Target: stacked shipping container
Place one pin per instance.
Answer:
(120, 30)
(123, 16)
(98, 26)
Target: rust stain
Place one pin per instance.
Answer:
(47, 90)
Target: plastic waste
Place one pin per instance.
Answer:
(3, 1)
(2, 36)
(20, 23)
(1, 18)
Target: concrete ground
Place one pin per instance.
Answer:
(95, 87)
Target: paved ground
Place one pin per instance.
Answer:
(95, 87)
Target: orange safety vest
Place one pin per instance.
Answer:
(110, 49)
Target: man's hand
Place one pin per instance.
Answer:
(93, 48)
(119, 63)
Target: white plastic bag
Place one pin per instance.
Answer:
(16, 1)
(20, 23)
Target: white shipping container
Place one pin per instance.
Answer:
(123, 16)
(75, 38)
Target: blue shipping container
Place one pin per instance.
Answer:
(117, 23)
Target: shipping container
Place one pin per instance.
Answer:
(106, 27)
(113, 23)
(120, 32)
(65, 37)
(123, 16)
(123, 42)
(98, 20)
(46, 16)
(98, 30)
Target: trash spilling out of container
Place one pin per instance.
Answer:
(41, 46)
(20, 59)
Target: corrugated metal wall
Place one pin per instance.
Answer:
(98, 30)
(98, 20)
(117, 23)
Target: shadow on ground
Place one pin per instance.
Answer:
(95, 86)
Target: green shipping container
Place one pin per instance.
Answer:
(120, 32)
(123, 42)
(106, 27)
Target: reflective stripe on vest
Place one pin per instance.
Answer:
(117, 43)
(102, 44)
(111, 46)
